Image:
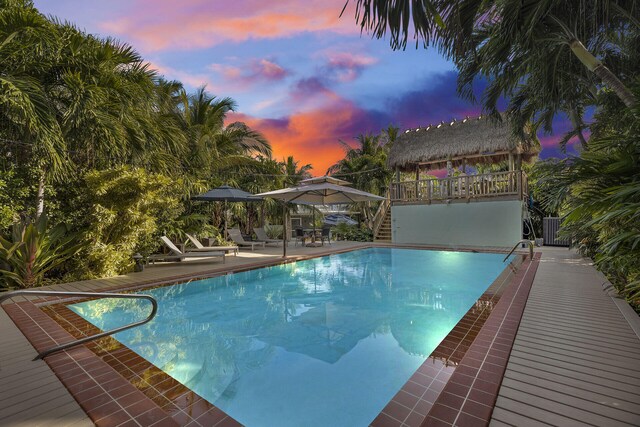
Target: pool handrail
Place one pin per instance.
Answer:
(43, 354)
(529, 242)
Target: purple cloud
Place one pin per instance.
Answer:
(346, 67)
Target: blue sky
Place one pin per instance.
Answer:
(300, 74)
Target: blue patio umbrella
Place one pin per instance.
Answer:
(226, 194)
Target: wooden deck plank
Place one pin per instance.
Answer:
(547, 403)
(624, 366)
(581, 404)
(520, 414)
(572, 341)
(610, 388)
(599, 396)
(580, 376)
(585, 352)
(575, 359)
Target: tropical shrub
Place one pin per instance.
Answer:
(598, 193)
(125, 210)
(33, 250)
(353, 233)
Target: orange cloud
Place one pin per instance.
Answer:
(193, 24)
(311, 136)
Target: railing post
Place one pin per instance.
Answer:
(466, 187)
(520, 192)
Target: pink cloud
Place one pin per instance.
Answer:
(192, 79)
(228, 72)
(192, 24)
(255, 71)
(348, 66)
(268, 70)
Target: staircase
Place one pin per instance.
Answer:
(384, 231)
(382, 222)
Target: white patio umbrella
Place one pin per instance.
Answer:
(324, 190)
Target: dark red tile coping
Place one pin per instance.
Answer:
(470, 395)
(110, 399)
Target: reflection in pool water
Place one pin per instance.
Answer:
(327, 341)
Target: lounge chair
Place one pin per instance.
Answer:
(262, 237)
(179, 255)
(199, 247)
(237, 238)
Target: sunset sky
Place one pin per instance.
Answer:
(300, 74)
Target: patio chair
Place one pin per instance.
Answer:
(237, 238)
(199, 247)
(325, 234)
(300, 236)
(262, 237)
(177, 254)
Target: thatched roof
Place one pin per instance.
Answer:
(479, 140)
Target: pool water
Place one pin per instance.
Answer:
(322, 342)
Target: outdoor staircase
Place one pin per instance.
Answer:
(382, 221)
(383, 233)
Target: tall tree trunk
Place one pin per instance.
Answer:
(576, 120)
(40, 198)
(600, 70)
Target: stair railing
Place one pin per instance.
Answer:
(381, 213)
(530, 243)
(42, 355)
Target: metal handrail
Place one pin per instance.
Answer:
(530, 242)
(42, 355)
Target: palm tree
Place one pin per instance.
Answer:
(28, 119)
(365, 166)
(73, 101)
(598, 194)
(293, 173)
(212, 146)
(510, 37)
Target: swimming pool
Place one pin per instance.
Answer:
(326, 341)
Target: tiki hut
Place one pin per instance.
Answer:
(464, 142)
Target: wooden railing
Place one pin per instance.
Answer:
(380, 214)
(496, 184)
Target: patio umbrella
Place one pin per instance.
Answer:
(324, 190)
(226, 194)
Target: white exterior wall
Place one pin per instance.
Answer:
(491, 223)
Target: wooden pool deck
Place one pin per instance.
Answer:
(575, 359)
